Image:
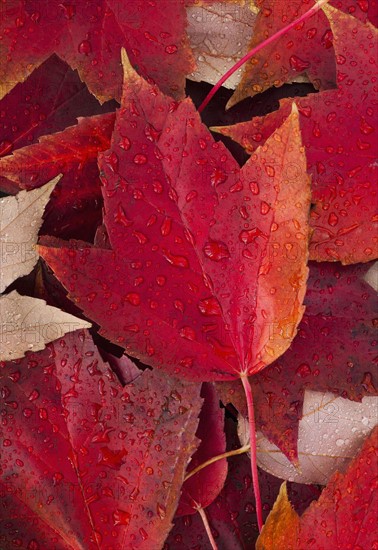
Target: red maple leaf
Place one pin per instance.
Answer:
(208, 306)
(339, 133)
(89, 37)
(305, 49)
(85, 459)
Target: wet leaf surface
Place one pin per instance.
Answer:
(343, 170)
(89, 38)
(87, 458)
(213, 287)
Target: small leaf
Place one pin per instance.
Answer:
(20, 220)
(201, 489)
(28, 324)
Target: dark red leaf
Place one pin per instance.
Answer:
(334, 350)
(202, 488)
(89, 37)
(339, 131)
(91, 459)
(50, 99)
(232, 516)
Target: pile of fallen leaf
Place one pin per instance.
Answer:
(172, 312)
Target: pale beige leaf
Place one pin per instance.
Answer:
(20, 221)
(28, 324)
(219, 36)
(371, 277)
(331, 431)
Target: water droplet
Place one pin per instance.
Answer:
(166, 227)
(311, 33)
(140, 159)
(175, 260)
(188, 333)
(120, 517)
(33, 395)
(43, 414)
(237, 187)
(191, 195)
(141, 237)
(151, 133)
(333, 219)
(124, 143)
(303, 370)
(216, 251)
(85, 47)
(143, 533)
(161, 510)
(209, 306)
(172, 48)
(270, 171)
(298, 64)
(179, 305)
(217, 177)
(327, 39)
(264, 208)
(249, 236)
(133, 298)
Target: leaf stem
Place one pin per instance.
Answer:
(252, 437)
(213, 459)
(205, 521)
(256, 49)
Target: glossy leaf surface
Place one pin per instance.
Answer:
(305, 50)
(216, 247)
